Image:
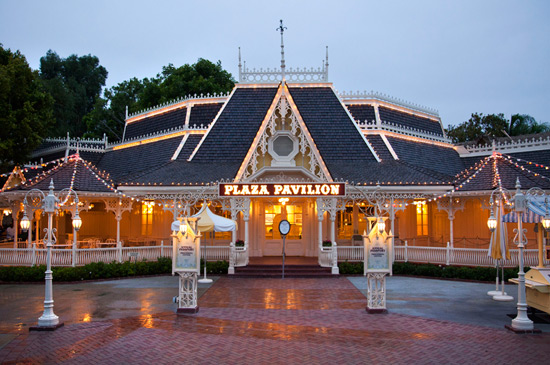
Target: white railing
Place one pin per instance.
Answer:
(326, 256)
(215, 253)
(84, 256)
(433, 255)
(442, 256)
(241, 256)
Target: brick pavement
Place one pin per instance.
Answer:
(261, 321)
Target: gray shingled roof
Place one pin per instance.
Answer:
(362, 112)
(203, 114)
(233, 133)
(444, 160)
(409, 120)
(331, 128)
(157, 123)
(124, 163)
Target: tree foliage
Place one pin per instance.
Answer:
(495, 125)
(76, 84)
(26, 111)
(203, 77)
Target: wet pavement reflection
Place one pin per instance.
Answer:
(250, 321)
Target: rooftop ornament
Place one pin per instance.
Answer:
(251, 76)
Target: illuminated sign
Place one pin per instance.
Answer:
(302, 189)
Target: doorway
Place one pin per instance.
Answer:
(273, 242)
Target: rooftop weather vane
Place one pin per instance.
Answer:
(275, 75)
(282, 29)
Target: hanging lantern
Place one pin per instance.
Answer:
(183, 226)
(25, 223)
(381, 225)
(492, 222)
(77, 222)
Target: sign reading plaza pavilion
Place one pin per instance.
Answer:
(290, 189)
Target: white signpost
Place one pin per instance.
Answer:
(186, 262)
(377, 264)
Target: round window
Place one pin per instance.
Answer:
(283, 145)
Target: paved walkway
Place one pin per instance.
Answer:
(253, 321)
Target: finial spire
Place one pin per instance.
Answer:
(282, 29)
(240, 65)
(326, 67)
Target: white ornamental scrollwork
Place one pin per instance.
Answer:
(283, 119)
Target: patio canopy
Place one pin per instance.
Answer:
(536, 210)
(209, 221)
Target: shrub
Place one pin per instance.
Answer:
(95, 270)
(436, 271)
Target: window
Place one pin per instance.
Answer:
(272, 219)
(147, 218)
(294, 217)
(273, 216)
(283, 146)
(421, 219)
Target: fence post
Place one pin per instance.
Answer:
(162, 248)
(119, 251)
(335, 270)
(406, 253)
(73, 255)
(231, 269)
(33, 260)
(447, 254)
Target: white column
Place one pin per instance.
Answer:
(355, 219)
(15, 207)
(48, 318)
(74, 247)
(332, 227)
(29, 238)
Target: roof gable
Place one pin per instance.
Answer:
(283, 121)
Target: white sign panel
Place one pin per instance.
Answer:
(378, 255)
(186, 251)
(378, 251)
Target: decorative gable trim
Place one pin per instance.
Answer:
(283, 100)
(10, 182)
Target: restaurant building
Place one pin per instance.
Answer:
(283, 144)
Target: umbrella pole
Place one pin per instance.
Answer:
(502, 296)
(205, 279)
(496, 291)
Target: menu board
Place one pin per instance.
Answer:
(186, 253)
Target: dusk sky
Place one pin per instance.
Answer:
(458, 57)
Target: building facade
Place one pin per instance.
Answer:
(282, 145)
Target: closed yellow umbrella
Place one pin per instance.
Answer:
(499, 238)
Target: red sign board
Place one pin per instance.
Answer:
(283, 189)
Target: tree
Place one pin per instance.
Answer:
(75, 83)
(203, 77)
(495, 125)
(26, 109)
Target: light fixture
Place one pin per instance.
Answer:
(25, 223)
(283, 201)
(77, 222)
(7, 212)
(183, 226)
(492, 222)
(381, 225)
(546, 219)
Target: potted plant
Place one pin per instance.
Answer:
(239, 243)
(327, 243)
